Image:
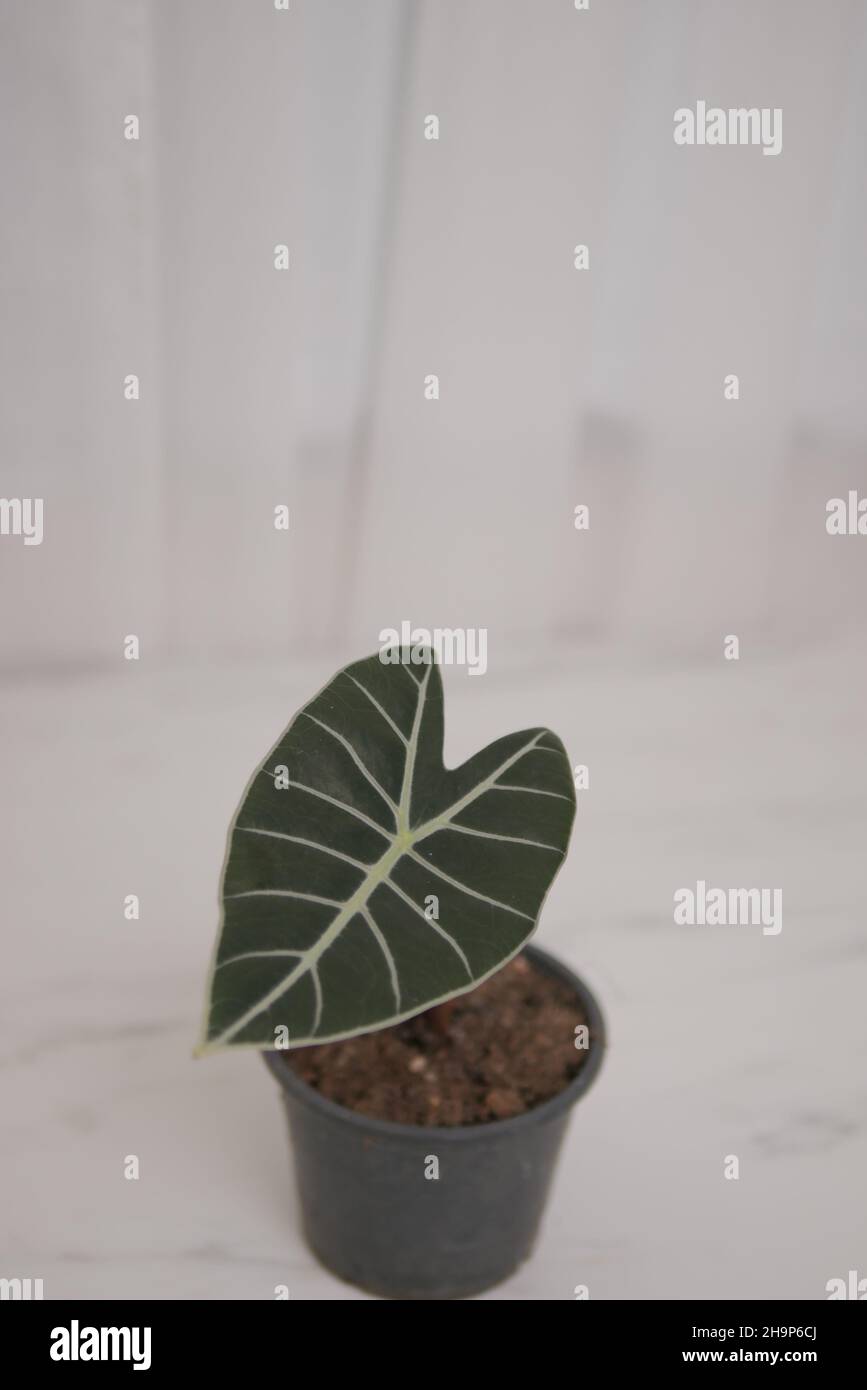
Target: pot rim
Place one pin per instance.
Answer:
(548, 1109)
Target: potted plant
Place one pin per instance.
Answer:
(376, 910)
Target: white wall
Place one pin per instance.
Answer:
(411, 257)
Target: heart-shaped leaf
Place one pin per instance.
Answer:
(364, 880)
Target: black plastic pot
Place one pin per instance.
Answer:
(374, 1219)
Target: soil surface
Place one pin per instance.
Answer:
(501, 1049)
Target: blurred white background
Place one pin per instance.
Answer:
(558, 387)
(411, 257)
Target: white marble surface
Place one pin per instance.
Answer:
(723, 1041)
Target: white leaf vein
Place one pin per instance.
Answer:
(465, 888)
(440, 930)
(384, 712)
(334, 801)
(386, 951)
(310, 844)
(365, 771)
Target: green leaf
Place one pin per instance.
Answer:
(367, 881)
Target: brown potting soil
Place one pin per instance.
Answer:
(504, 1048)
